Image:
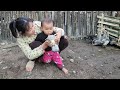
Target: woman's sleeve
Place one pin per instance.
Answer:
(37, 26)
(56, 29)
(29, 53)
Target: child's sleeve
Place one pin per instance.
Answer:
(29, 53)
(37, 26)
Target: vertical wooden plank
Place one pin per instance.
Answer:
(7, 24)
(42, 15)
(32, 15)
(72, 23)
(101, 23)
(91, 23)
(95, 22)
(53, 15)
(3, 26)
(2, 13)
(11, 15)
(11, 18)
(33, 12)
(65, 22)
(50, 14)
(30, 12)
(84, 24)
(69, 28)
(79, 23)
(35, 18)
(75, 24)
(27, 13)
(59, 19)
(88, 24)
(0, 23)
(55, 18)
(37, 15)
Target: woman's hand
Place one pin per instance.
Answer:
(45, 44)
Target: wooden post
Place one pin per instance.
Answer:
(102, 20)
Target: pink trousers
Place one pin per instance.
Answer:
(53, 56)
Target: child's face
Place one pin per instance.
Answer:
(47, 28)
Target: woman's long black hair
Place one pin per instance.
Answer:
(19, 25)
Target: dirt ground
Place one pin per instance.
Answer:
(83, 61)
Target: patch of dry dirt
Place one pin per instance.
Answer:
(83, 61)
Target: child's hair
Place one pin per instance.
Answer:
(47, 20)
(20, 24)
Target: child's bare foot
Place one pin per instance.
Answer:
(65, 70)
(30, 66)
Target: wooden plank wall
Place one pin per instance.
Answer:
(77, 24)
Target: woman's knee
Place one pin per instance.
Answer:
(63, 43)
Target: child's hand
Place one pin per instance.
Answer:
(52, 43)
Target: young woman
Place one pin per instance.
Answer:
(25, 31)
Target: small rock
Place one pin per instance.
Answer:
(3, 49)
(5, 67)
(70, 51)
(69, 56)
(10, 73)
(2, 43)
(85, 56)
(71, 60)
(101, 65)
(81, 59)
(74, 72)
(93, 54)
(91, 65)
(118, 67)
(110, 72)
(1, 62)
(103, 76)
(105, 62)
(22, 68)
(99, 50)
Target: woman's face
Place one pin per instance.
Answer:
(31, 30)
